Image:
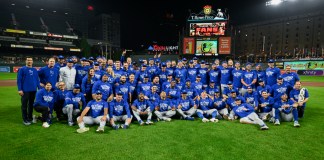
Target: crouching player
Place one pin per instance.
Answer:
(266, 106)
(186, 106)
(73, 101)
(219, 103)
(287, 110)
(164, 109)
(247, 114)
(44, 103)
(142, 107)
(119, 111)
(98, 114)
(301, 96)
(206, 108)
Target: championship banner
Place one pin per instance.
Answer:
(188, 45)
(224, 45)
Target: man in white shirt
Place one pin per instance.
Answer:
(67, 75)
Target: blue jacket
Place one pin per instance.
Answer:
(27, 79)
(44, 98)
(47, 74)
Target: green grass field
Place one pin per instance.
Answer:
(8, 76)
(178, 139)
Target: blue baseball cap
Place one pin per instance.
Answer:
(261, 80)
(178, 76)
(98, 92)
(271, 61)
(280, 77)
(170, 74)
(120, 93)
(83, 59)
(216, 90)
(249, 87)
(91, 58)
(198, 76)
(157, 61)
(188, 80)
(146, 76)
(134, 63)
(248, 63)
(224, 62)
(184, 92)
(70, 61)
(191, 61)
(258, 64)
(96, 63)
(76, 86)
(74, 57)
(163, 64)
(238, 99)
(60, 57)
(233, 91)
(237, 62)
(184, 59)
(195, 58)
(202, 62)
(144, 65)
(212, 81)
(229, 82)
(150, 59)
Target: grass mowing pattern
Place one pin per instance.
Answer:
(177, 139)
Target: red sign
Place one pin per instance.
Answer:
(188, 46)
(224, 45)
(16, 68)
(164, 48)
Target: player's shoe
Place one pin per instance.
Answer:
(148, 122)
(26, 123)
(115, 127)
(141, 122)
(124, 126)
(271, 120)
(296, 124)
(277, 122)
(34, 119)
(45, 125)
(70, 123)
(205, 120)
(264, 127)
(82, 130)
(225, 116)
(190, 118)
(167, 119)
(214, 120)
(100, 129)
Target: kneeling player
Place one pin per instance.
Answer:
(247, 114)
(287, 110)
(266, 106)
(142, 107)
(73, 101)
(98, 114)
(119, 111)
(164, 109)
(206, 108)
(186, 106)
(219, 103)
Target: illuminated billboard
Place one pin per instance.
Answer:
(206, 47)
(188, 46)
(207, 29)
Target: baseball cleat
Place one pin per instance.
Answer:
(205, 120)
(277, 122)
(296, 124)
(141, 122)
(213, 120)
(70, 123)
(264, 127)
(148, 122)
(116, 127)
(168, 119)
(190, 118)
(225, 116)
(45, 125)
(82, 130)
(100, 129)
(26, 123)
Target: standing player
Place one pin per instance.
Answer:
(49, 73)
(87, 84)
(67, 75)
(280, 88)
(301, 96)
(287, 110)
(290, 77)
(164, 109)
(225, 76)
(27, 82)
(247, 114)
(237, 76)
(98, 111)
(104, 87)
(272, 73)
(119, 111)
(249, 78)
(142, 107)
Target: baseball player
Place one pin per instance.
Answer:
(173, 92)
(191, 90)
(68, 74)
(119, 111)
(104, 87)
(164, 109)
(290, 77)
(192, 71)
(280, 88)
(74, 100)
(249, 78)
(287, 110)
(230, 103)
(251, 98)
(49, 73)
(44, 103)
(247, 114)
(266, 105)
(98, 111)
(206, 108)
(219, 103)
(225, 75)
(142, 107)
(198, 85)
(262, 86)
(237, 76)
(186, 106)
(27, 83)
(301, 96)
(272, 73)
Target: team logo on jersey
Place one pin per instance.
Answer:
(240, 109)
(47, 98)
(31, 72)
(124, 89)
(269, 73)
(214, 74)
(96, 107)
(173, 92)
(250, 99)
(248, 76)
(179, 87)
(146, 88)
(142, 107)
(198, 87)
(281, 90)
(119, 108)
(202, 71)
(105, 87)
(76, 99)
(192, 72)
(237, 74)
(204, 103)
(51, 73)
(97, 76)
(218, 103)
(164, 106)
(224, 71)
(288, 78)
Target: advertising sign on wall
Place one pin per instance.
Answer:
(4, 69)
(306, 65)
(224, 45)
(188, 46)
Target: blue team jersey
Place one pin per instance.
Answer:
(203, 74)
(219, 103)
(248, 77)
(260, 74)
(182, 72)
(74, 99)
(295, 94)
(163, 76)
(173, 93)
(81, 71)
(164, 105)
(180, 85)
(166, 85)
(97, 108)
(290, 78)
(143, 105)
(262, 88)
(124, 88)
(210, 90)
(237, 76)
(214, 75)
(192, 73)
(278, 90)
(191, 92)
(239, 110)
(44, 98)
(145, 88)
(205, 104)
(269, 102)
(231, 101)
(272, 75)
(119, 108)
(186, 104)
(104, 87)
(225, 75)
(198, 86)
(86, 88)
(252, 98)
(281, 103)
(47, 74)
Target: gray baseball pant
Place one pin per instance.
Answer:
(188, 113)
(252, 118)
(68, 109)
(164, 115)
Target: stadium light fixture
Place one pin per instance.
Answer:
(41, 9)
(274, 2)
(54, 11)
(66, 13)
(13, 4)
(27, 7)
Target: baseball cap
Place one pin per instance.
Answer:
(184, 92)
(150, 59)
(216, 90)
(91, 58)
(61, 57)
(169, 74)
(76, 86)
(198, 76)
(119, 93)
(98, 92)
(105, 74)
(191, 61)
(207, 63)
(188, 80)
(237, 99)
(146, 76)
(233, 91)
(212, 81)
(96, 63)
(178, 76)
(195, 58)
(271, 61)
(74, 57)
(261, 80)
(184, 59)
(83, 59)
(258, 64)
(249, 87)
(202, 62)
(144, 65)
(173, 80)
(70, 61)
(237, 62)
(248, 63)
(134, 63)
(279, 77)
(229, 83)
(163, 64)
(224, 62)
(157, 61)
